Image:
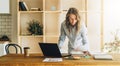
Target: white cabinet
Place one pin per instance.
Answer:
(4, 6)
(2, 49)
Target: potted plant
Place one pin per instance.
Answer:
(35, 28)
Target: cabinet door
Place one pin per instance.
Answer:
(2, 48)
(4, 6)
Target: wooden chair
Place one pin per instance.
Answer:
(16, 46)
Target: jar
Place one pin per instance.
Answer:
(26, 51)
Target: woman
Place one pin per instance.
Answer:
(76, 32)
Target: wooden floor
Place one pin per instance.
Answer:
(36, 60)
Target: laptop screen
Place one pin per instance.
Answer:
(50, 49)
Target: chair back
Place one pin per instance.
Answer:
(16, 46)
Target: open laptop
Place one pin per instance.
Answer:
(51, 50)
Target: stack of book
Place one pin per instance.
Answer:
(23, 6)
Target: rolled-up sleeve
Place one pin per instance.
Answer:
(62, 36)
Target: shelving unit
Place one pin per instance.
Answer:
(24, 17)
(51, 15)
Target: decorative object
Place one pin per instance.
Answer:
(113, 46)
(35, 28)
(53, 8)
(35, 9)
(4, 38)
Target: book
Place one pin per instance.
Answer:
(22, 6)
(26, 6)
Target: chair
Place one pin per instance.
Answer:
(16, 46)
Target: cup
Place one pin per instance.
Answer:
(26, 51)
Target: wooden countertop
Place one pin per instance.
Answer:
(36, 60)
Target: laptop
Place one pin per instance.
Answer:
(51, 50)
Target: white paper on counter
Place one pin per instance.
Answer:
(53, 60)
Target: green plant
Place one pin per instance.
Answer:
(35, 27)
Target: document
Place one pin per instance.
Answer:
(103, 57)
(53, 60)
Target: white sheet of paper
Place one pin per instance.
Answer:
(103, 57)
(53, 60)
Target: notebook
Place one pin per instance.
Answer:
(51, 50)
(103, 57)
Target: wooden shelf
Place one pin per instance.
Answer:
(52, 11)
(30, 11)
(40, 11)
(79, 11)
(51, 35)
(32, 36)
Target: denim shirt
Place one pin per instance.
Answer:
(75, 40)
